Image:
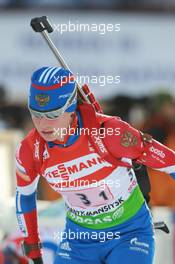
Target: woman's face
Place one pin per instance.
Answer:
(53, 129)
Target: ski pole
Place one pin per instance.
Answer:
(43, 26)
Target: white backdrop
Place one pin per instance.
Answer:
(142, 52)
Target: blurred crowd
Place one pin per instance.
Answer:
(12, 116)
(118, 4)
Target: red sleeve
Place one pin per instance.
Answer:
(126, 141)
(27, 179)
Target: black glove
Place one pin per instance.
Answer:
(27, 248)
(38, 261)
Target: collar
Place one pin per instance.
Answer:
(69, 139)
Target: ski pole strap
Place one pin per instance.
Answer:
(92, 98)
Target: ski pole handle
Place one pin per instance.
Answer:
(39, 24)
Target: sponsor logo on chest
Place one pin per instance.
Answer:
(76, 168)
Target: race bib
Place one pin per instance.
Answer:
(91, 197)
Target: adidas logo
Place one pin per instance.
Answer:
(65, 246)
